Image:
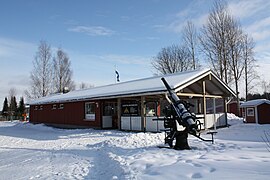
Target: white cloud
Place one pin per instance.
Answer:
(16, 63)
(177, 25)
(194, 12)
(92, 30)
(248, 8)
(259, 24)
(11, 48)
(259, 29)
(262, 47)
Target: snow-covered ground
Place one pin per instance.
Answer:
(30, 151)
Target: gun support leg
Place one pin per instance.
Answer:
(181, 141)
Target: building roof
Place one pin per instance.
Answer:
(146, 86)
(255, 102)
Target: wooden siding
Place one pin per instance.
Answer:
(72, 114)
(232, 108)
(250, 119)
(264, 113)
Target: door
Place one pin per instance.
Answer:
(109, 117)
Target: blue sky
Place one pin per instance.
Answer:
(99, 35)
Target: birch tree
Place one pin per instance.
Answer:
(248, 55)
(213, 39)
(235, 43)
(41, 75)
(228, 49)
(62, 72)
(190, 37)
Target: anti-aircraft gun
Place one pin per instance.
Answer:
(176, 115)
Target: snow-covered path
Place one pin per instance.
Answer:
(30, 151)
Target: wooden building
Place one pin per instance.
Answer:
(256, 111)
(133, 105)
(232, 108)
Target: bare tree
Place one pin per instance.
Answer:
(84, 85)
(248, 55)
(62, 72)
(41, 75)
(228, 49)
(12, 93)
(172, 59)
(190, 39)
(235, 45)
(213, 39)
(12, 102)
(265, 85)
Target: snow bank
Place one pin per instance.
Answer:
(139, 140)
(233, 119)
(39, 152)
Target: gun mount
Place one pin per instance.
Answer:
(179, 121)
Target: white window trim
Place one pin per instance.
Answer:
(89, 117)
(252, 114)
(61, 106)
(54, 106)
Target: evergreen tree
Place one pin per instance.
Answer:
(5, 108)
(21, 107)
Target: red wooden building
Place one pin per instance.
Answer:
(133, 105)
(232, 108)
(256, 111)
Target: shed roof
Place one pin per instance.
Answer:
(255, 102)
(152, 85)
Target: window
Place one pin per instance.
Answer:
(61, 106)
(40, 107)
(36, 108)
(110, 109)
(151, 108)
(54, 106)
(163, 104)
(90, 111)
(250, 111)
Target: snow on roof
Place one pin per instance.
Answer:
(255, 102)
(140, 86)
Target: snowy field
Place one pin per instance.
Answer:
(30, 151)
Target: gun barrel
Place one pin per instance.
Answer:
(166, 84)
(180, 109)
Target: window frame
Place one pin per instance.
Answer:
(54, 106)
(61, 106)
(149, 109)
(90, 116)
(250, 111)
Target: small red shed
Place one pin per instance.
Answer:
(256, 111)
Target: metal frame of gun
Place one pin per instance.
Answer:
(180, 114)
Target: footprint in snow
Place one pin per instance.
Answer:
(196, 176)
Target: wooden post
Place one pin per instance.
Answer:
(204, 106)
(119, 109)
(214, 108)
(225, 111)
(143, 111)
